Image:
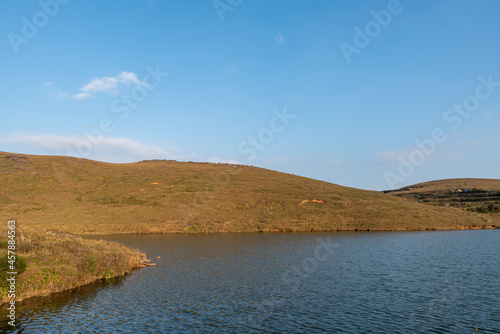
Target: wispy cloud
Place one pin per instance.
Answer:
(109, 149)
(225, 161)
(489, 114)
(109, 85)
(119, 149)
(446, 151)
(336, 162)
(54, 90)
(391, 157)
(280, 160)
(279, 38)
(285, 160)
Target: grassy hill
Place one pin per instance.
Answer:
(87, 197)
(54, 198)
(472, 195)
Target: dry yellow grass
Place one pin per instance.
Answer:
(54, 198)
(453, 184)
(472, 195)
(88, 197)
(57, 262)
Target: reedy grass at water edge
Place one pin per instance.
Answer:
(55, 262)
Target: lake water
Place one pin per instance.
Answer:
(408, 282)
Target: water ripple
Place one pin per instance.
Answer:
(429, 282)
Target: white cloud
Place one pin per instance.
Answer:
(130, 77)
(280, 160)
(81, 96)
(110, 85)
(439, 152)
(100, 85)
(108, 149)
(54, 90)
(336, 162)
(285, 160)
(103, 149)
(224, 161)
(279, 38)
(391, 156)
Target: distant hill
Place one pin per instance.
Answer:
(89, 197)
(472, 195)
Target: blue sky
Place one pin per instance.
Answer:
(341, 91)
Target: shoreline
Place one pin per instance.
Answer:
(291, 230)
(144, 262)
(47, 262)
(41, 295)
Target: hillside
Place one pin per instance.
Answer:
(472, 195)
(87, 197)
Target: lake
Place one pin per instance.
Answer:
(373, 282)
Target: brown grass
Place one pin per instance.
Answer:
(54, 198)
(58, 262)
(88, 197)
(482, 195)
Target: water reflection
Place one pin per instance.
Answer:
(32, 312)
(412, 282)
